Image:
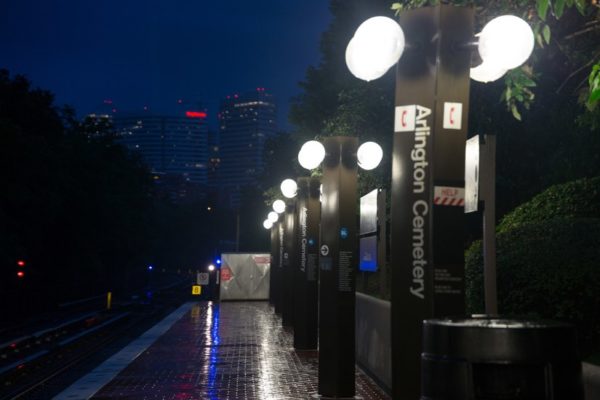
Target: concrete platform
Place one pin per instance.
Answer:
(229, 350)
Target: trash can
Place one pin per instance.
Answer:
(499, 359)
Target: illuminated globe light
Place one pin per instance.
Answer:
(311, 154)
(273, 217)
(362, 65)
(486, 72)
(377, 44)
(289, 187)
(384, 37)
(369, 155)
(212, 267)
(267, 224)
(279, 206)
(506, 42)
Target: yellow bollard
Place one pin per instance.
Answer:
(108, 300)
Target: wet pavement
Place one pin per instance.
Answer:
(229, 350)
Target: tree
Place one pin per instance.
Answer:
(78, 210)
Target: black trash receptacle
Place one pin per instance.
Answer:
(499, 359)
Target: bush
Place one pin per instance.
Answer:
(548, 253)
(576, 199)
(547, 269)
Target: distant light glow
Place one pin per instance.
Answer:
(21, 263)
(150, 267)
(20, 274)
(195, 114)
(267, 224)
(289, 188)
(218, 261)
(211, 267)
(279, 206)
(273, 216)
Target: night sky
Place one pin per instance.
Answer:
(153, 52)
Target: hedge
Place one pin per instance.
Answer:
(545, 269)
(576, 199)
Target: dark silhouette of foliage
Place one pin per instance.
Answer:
(78, 210)
(548, 252)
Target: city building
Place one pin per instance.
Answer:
(246, 121)
(175, 148)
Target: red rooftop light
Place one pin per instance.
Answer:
(195, 114)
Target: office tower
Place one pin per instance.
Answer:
(175, 148)
(246, 121)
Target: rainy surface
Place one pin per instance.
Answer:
(231, 350)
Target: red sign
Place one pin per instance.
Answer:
(226, 273)
(449, 196)
(195, 114)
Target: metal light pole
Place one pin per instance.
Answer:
(338, 255)
(427, 255)
(432, 102)
(308, 208)
(276, 223)
(288, 263)
(273, 277)
(338, 262)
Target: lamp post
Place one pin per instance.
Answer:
(288, 253)
(338, 259)
(274, 267)
(277, 253)
(430, 127)
(306, 309)
(284, 241)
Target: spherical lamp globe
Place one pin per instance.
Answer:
(289, 188)
(369, 155)
(279, 206)
(506, 42)
(267, 224)
(359, 62)
(273, 216)
(311, 154)
(485, 73)
(377, 44)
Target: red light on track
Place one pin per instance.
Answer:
(20, 274)
(195, 114)
(21, 263)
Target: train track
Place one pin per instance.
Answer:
(52, 366)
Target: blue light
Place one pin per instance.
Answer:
(218, 261)
(150, 267)
(368, 265)
(344, 233)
